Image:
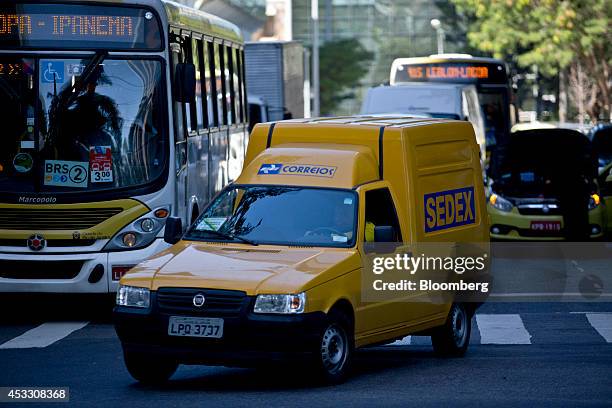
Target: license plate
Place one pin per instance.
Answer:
(195, 327)
(547, 226)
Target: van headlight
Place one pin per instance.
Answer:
(140, 232)
(500, 203)
(594, 201)
(133, 296)
(280, 304)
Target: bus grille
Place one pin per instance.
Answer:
(54, 219)
(224, 303)
(40, 269)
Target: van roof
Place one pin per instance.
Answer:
(308, 152)
(397, 121)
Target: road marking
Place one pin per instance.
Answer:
(502, 329)
(602, 322)
(43, 335)
(401, 342)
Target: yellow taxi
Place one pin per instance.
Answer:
(543, 180)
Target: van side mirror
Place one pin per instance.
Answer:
(184, 82)
(384, 233)
(174, 230)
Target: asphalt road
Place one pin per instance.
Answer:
(520, 354)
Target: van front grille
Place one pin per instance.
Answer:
(54, 219)
(224, 303)
(40, 269)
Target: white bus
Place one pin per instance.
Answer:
(116, 115)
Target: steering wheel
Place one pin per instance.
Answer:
(322, 230)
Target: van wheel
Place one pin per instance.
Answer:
(149, 369)
(335, 348)
(452, 339)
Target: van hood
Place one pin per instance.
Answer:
(255, 270)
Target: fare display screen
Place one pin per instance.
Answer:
(452, 72)
(78, 27)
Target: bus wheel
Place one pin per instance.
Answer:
(335, 348)
(452, 339)
(149, 369)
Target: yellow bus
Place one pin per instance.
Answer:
(490, 76)
(116, 115)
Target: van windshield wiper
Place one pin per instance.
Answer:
(230, 236)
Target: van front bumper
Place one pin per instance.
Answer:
(248, 338)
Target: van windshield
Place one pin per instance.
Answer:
(280, 215)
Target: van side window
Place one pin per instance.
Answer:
(379, 211)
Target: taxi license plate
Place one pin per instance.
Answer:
(195, 327)
(548, 226)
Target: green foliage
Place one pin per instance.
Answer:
(342, 65)
(551, 34)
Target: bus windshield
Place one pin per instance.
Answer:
(494, 103)
(73, 125)
(489, 76)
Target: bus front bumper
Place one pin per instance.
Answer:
(88, 272)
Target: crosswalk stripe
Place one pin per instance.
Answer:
(502, 329)
(602, 322)
(406, 341)
(43, 335)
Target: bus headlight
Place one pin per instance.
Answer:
(500, 203)
(129, 239)
(140, 232)
(147, 225)
(594, 201)
(280, 304)
(133, 296)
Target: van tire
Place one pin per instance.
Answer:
(452, 339)
(149, 369)
(335, 348)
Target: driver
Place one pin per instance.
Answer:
(97, 115)
(343, 220)
(342, 224)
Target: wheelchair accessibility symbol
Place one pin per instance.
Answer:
(52, 71)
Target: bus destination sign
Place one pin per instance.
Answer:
(451, 72)
(67, 27)
(82, 27)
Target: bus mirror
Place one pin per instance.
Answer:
(184, 82)
(174, 230)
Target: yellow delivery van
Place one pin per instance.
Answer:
(271, 270)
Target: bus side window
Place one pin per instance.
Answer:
(220, 81)
(200, 91)
(211, 89)
(190, 112)
(237, 88)
(243, 98)
(179, 107)
(231, 89)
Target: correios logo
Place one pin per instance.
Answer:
(37, 200)
(316, 170)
